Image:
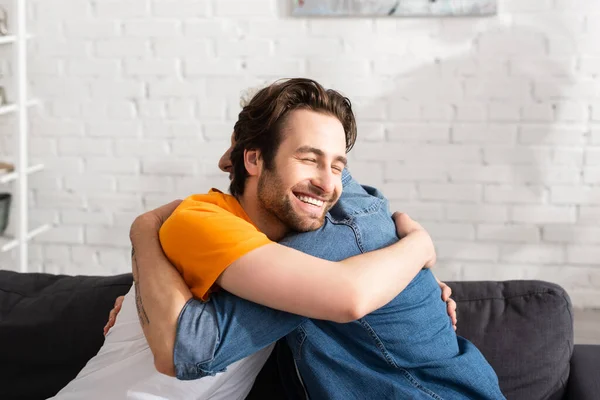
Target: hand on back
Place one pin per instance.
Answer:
(112, 316)
(405, 226)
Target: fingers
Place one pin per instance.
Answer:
(446, 291)
(112, 315)
(108, 325)
(404, 223)
(119, 302)
(450, 303)
(399, 221)
(451, 309)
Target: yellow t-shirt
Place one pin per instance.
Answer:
(204, 235)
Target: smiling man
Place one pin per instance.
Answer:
(360, 315)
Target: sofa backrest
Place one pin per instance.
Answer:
(524, 329)
(50, 326)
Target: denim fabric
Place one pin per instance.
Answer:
(214, 334)
(406, 349)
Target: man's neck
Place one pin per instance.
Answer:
(266, 222)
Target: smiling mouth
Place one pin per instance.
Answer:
(310, 200)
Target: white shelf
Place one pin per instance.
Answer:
(8, 108)
(11, 107)
(8, 39)
(11, 176)
(17, 40)
(7, 243)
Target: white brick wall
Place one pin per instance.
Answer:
(485, 129)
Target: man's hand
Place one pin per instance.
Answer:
(450, 304)
(152, 219)
(405, 226)
(112, 316)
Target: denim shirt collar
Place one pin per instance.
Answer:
(346, 177)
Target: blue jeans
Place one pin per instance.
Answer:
(406, 349)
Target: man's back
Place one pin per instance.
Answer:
(406, 348)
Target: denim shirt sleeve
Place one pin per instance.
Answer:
(213, 335)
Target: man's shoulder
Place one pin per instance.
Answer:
(213, 196)
(211, 212)
(213, 202)
(358, 200)
(366, 210)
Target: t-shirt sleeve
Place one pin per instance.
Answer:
(203, 239)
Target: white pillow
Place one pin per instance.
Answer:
(124, 369)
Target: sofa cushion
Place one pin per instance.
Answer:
(50, 326)
(584, 382)
(524, 329)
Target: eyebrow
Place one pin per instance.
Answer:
(319, 152)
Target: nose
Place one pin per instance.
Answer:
(225, 161)
(325, 180)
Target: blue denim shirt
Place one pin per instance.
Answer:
(406, 349)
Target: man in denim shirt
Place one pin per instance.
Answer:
(406, 349)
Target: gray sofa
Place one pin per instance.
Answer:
(50, 325)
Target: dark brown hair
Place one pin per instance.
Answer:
(261, 121)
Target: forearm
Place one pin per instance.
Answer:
(161, 293)
(214, 334)
(379, 276)
(289, 280)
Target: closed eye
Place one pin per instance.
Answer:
(310, 160)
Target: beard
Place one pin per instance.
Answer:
(274, 199)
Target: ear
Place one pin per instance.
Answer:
(253, 162)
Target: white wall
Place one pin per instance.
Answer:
(487, 130)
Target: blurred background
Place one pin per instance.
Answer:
(484, 128)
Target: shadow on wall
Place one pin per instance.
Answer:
(480, 134)
(468, 139)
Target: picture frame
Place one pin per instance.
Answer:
(393, 8)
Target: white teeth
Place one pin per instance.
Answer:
(310, 200)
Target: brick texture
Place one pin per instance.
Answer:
(485, 129)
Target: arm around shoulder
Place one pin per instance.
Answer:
(292, 281)
(160, 290)
(286, 279)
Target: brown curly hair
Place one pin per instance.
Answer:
(260, 122)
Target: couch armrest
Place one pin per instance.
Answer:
(584, 379)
